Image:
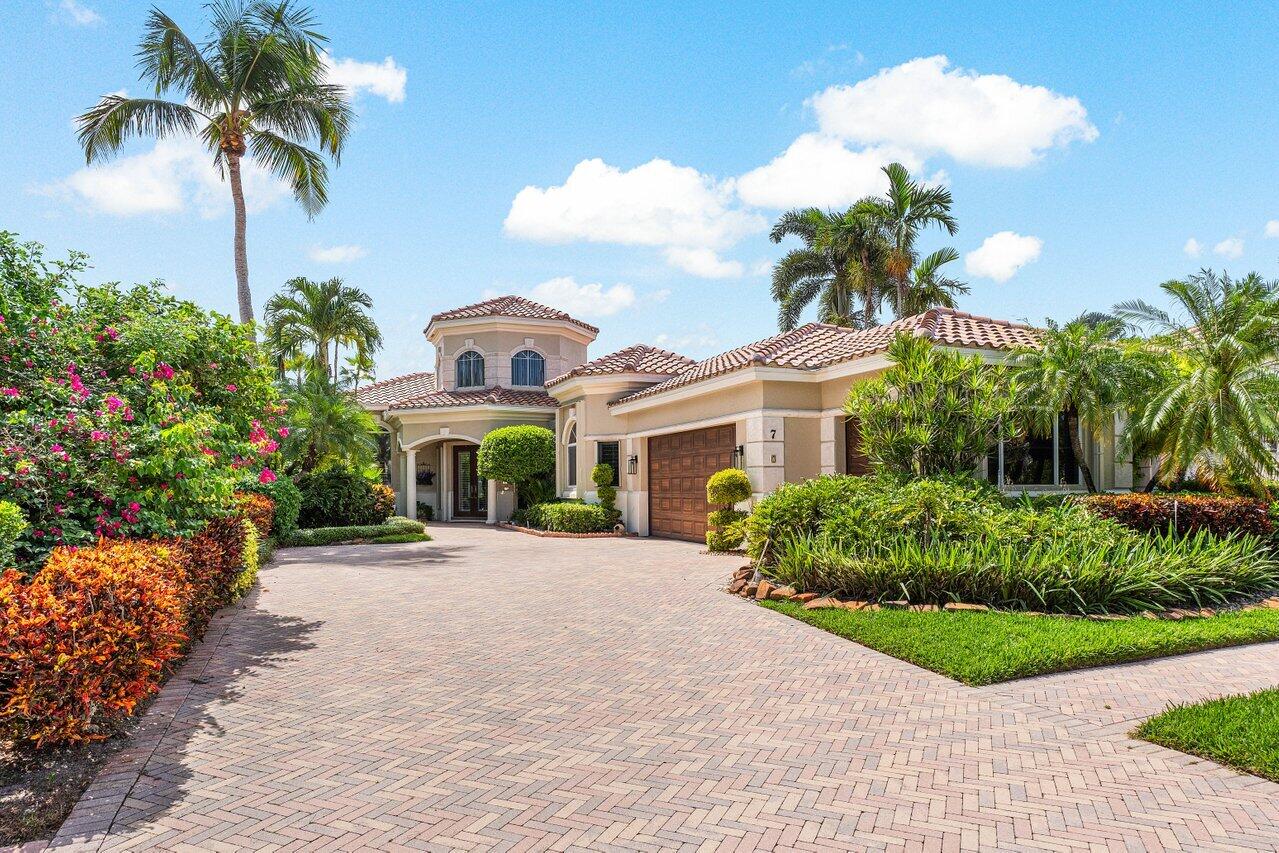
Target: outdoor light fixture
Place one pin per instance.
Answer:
(739, 456)
(632, 465)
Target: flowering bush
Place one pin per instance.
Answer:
(122, 412)
(383, 502)
(257, 508)
(88, 638)
(1217, 514)
(287, 499)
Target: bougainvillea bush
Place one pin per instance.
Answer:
(123, 412)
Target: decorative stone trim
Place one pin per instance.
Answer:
(557, 534)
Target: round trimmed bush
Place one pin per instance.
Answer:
(516, 454)
(724, 528)
(728, 487)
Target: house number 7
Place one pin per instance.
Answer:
(772, 433)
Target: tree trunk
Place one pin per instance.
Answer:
(1154, 476)
(868, 295)
(1072, 426)
(243, 295)
(901, 298)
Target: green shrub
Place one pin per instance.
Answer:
(335, 535)
(516, 454)
(12, 525)
(248, 575)
(724, 526)
(400, 538)
(287, 497)
(567, 517)
(340, 497)
(602, 477)
(425, 512)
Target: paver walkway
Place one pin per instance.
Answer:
(491, 690)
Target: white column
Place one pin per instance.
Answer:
(492, 502)
(828, 431)
(410, 483)
(765, 447)
(446, 482)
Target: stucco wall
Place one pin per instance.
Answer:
(803, 449)
(562, 354)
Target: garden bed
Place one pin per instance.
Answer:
(985, 647)
(560, 534)
(396, 530)
(1239, 731)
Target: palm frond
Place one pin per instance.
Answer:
(115, 119)
(303, 168)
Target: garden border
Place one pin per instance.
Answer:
(560, 534)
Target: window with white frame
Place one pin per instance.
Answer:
(528, 368)
(470, 370)
(609, 453)
(1036, 460)
(570, 447)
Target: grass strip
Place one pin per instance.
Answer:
(1239, 731)
(988, 647)
(367, 532)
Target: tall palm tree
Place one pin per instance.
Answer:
(816, 272)
(256, 87)
(860, 236)
(1076, 369)
(907, 209)
(1219, 405)
(316, 318)
(928, 285)
(326, 425)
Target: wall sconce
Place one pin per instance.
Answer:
(739, 456)
(632, 465)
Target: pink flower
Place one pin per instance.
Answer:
(113, 403)
(231, 388)
(267, 476)
(284, 432)
(9, 392)
(162, 371)
(98, 435)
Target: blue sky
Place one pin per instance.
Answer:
(512, 147)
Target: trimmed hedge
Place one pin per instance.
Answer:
(567, 517)
(1216, 514)
(258, 509)
(304, 537)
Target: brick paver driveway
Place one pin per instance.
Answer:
(491, 690)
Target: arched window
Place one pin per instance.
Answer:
(570, 445)
(527, 368)
(470, 370)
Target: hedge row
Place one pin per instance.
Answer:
(336, 535)
(565, 517)
(1185, 514)
(98, 628)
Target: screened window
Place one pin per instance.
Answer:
(570, 445)
(1034, 460)
(528, 368)
(470, 370)
(607, 452)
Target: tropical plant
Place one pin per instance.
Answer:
(907, 209)
(934, 411)
(339, 497)
(929, 286)
(860, 236)
(257, 87)
(1217, 411)
(314, 319)
(328, 427)
(816, 272)
(1076, 369)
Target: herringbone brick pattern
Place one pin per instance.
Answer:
(497, 691)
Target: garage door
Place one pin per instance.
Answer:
(678, 466)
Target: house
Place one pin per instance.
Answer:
(665, 422)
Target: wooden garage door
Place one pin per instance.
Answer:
(678, 466)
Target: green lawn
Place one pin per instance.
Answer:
(987, 647)
(1241, 731)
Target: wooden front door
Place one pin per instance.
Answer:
(470, 491)
(678, 467)
(855, 459)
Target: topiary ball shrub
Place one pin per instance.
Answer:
(339, 497)
(602, 477)
(725, 529)
(516, 454)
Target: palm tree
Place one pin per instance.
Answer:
(1076, 369)
(929, 287)
(908, 209)
(818, 271)
(257, 86)
(860, 236)
(326, 426)
(1218, 406)
(317, 318)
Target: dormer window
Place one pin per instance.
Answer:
(528, 368)
(470, 370)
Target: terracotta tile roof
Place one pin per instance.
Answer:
(510, 306)
(382, 394)
(818, 345)
(637, 358)
(495, 396)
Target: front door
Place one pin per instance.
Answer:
(470, 491)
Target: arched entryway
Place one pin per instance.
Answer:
(455, 491)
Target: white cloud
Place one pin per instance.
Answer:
(1193, 248)
(1272, 228)
(78, 14)
(174, 175)
(656, 204)
(703, 263)
(926, 106)
(820, 171)
(340, 254)
(701, 339)
(1231, 247)
(386, 79)
(584, 300)
(1001, 255)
